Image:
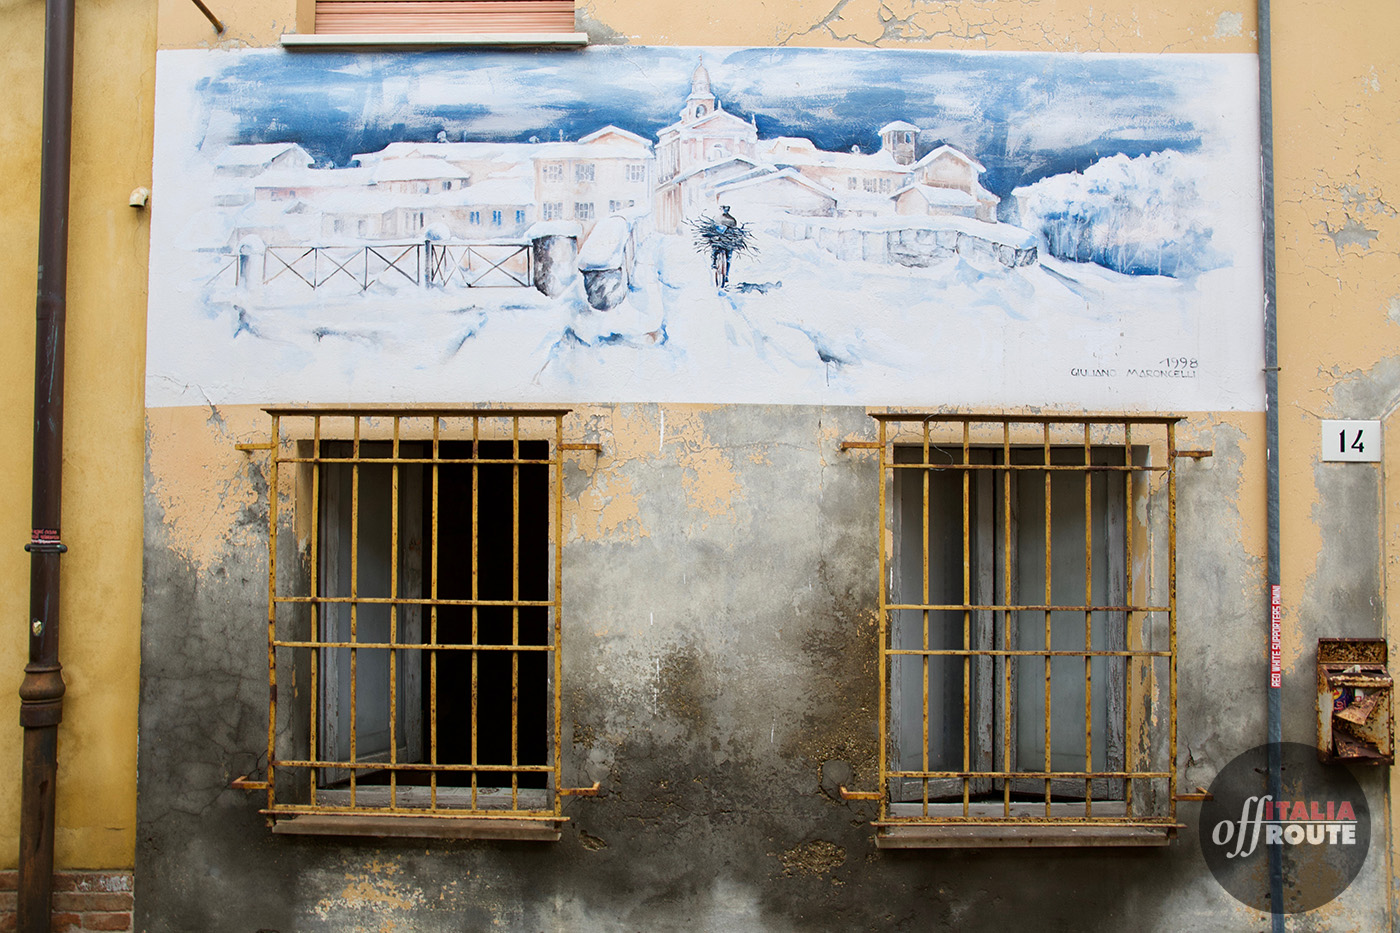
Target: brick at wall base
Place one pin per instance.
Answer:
(83, 901)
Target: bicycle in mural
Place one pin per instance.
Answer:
(722, 237)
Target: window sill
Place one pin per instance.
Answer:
(1010, 835)
(419, 827)
(434, 40)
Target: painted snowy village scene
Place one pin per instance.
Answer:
(718, 225)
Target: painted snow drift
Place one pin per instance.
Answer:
(707, 225)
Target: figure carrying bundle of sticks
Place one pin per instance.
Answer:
(721, 238)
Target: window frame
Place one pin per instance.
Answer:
(1147, 817)
(302, 451)
(998, 530)
(452, 22)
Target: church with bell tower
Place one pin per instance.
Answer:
(705, 132)
(706, 141)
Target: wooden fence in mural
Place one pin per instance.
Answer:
(495, 264)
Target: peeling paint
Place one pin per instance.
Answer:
(207, 497)
(1228, 25)
(1350, 233)
(607, 509)
(1371, 82)
(599, 33)
(818, 857)
(377, 898)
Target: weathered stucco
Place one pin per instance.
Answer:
(720, 561)
(719, 581)
(1043, 25)
(719, 683)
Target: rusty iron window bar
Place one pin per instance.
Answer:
(415, 619)
(1027, 631)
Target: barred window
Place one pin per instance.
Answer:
(422, 614)
(1027, 643)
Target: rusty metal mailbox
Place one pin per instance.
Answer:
(1355, 724)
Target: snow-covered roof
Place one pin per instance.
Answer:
(504, 189)
(712, 117)
(787, 144)
(795, 150)
(711, 166)
(581, 150)
(303, 179)
(946, 150)
(939, 197)
(898, 126)
(880, 161)
(417, 170)
(611, 130)
(756, 172)
(763, 178)
(451, 152)
(255, 154)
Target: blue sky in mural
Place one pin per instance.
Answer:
(1023, 116)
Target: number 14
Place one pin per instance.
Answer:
(1357, 443)
(1351, 440)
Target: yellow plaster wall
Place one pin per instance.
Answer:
(1005, 25)
(1337, 102)
(1337, 109)
(1338, 232)
(103, 449)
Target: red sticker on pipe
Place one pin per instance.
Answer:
(1275, 636)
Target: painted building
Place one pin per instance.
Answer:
(588, 590)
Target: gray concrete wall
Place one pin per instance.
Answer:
(720, 658)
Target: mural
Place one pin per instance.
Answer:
(707, 225)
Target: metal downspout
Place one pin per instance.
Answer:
(1274, 728)
(41, 692)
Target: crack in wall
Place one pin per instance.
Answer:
(981, 24)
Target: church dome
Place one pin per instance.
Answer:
(700, 80)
